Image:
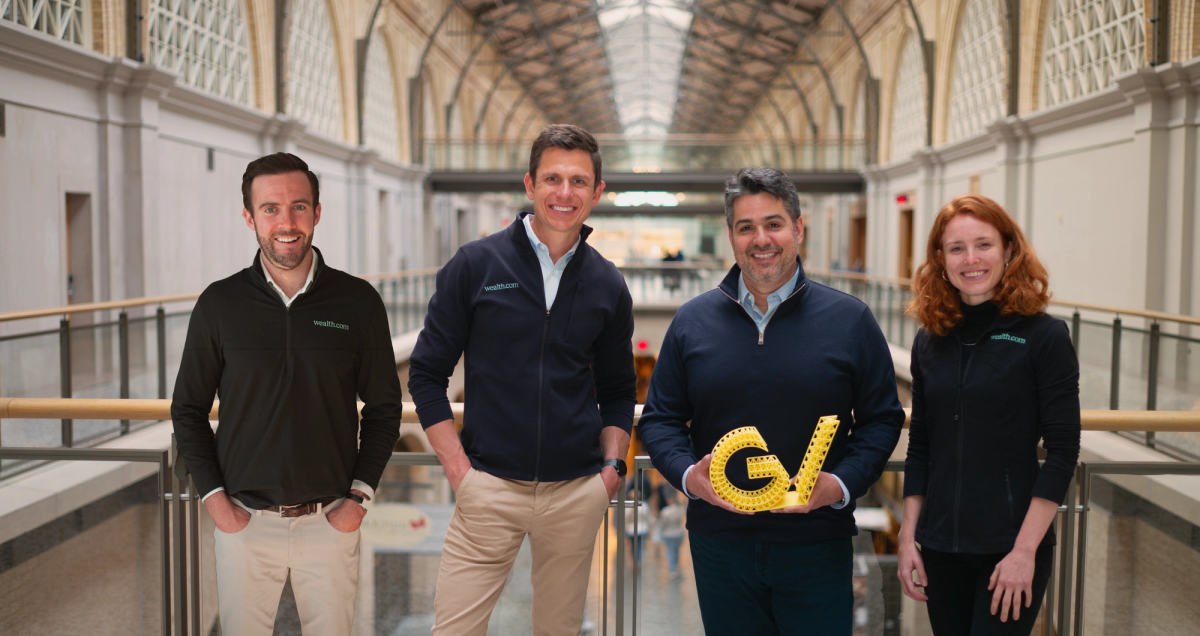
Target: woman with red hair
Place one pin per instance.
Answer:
(992, 375)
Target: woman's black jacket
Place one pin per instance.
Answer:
(972, 449)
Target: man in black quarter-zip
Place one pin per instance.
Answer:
(288, 343)
(771, 349)
(546, 326)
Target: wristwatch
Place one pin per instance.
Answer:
(357, 499)
(619, 464)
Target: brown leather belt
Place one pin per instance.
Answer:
(298, 510)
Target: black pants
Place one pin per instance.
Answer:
(960, 603)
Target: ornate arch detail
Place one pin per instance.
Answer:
(908, 117)
(207, 44)
(899, 34)
(949, 23)
(1073, 77)
(315, 92)
(381, 111)
(982, 92)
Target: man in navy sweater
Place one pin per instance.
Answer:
(769, 348)
(546, 325)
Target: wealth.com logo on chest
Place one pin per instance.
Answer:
(330, 323)
(500, 286)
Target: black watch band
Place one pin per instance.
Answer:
(356, 499)
(619, 464)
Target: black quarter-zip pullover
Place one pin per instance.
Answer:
(287, 378)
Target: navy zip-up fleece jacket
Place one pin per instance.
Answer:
(822, 353)
(540, 384)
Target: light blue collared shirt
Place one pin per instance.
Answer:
(760, 319)
(747, 299)
(551, 272)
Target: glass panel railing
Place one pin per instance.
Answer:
(670, 283)
(29, 368)
(96, 567)
(1137, 554)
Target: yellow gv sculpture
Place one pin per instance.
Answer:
(775, 494)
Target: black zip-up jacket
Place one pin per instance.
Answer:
(540, 385)
(972, 449)
(287, 378)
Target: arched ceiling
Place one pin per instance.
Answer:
(649, 67)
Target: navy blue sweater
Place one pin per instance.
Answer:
(540, 385)
(822, 354)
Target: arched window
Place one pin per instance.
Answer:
(908, 108)
(314, 93)
(62, 19)
(380, 124)
(978, 89)
(206, 43)
(1088, 42)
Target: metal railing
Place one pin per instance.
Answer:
(92, 354)
(181, 552)
(672, 154)
(1126, 356)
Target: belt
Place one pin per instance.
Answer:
(298, 510)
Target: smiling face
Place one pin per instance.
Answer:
(564, 191)
(765, 240)
(283, 218)
(974, 257)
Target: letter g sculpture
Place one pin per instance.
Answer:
(776, 494)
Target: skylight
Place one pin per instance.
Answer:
(645, 40)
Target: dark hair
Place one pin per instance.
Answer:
(1024, 286)
(278, 163)
(565, 137)
(761, 179)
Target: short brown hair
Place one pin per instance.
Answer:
(1024, 287)
(565, 137)
(278, 163)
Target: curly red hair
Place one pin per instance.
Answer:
(1023, 289)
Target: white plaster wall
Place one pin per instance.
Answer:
(1089, 227)
(1103, 186)
(162, 222)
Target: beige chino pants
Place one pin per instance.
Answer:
(491, 519)
(253, 564)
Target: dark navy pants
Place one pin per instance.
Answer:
(765, 588)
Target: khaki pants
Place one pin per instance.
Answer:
(253, 565)
(492, 517)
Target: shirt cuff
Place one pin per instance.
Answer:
(684, 483)
(213, 492)
(366, 490)
(845, 495)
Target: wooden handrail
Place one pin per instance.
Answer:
(102, 409)
(1138, 313)
(108, 304)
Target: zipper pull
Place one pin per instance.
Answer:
(760, 338)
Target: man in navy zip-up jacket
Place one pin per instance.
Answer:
(776, 351)
(546, 325)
